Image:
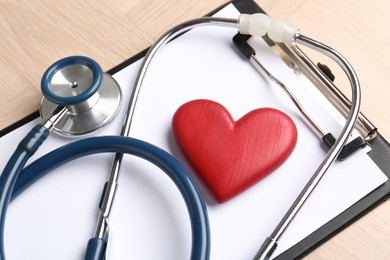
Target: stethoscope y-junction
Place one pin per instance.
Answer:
(79, 99)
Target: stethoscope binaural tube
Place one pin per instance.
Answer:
(281, 32)
(117, 144)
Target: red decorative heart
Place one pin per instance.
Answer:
(229, 155)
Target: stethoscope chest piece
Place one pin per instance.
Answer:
(92, 97)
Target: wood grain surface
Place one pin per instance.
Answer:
(34, 34)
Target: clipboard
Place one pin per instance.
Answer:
(380, 153)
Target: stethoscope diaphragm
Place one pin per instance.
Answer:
(92, 97)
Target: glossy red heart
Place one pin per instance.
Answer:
(229, 155)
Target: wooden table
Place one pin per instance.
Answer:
(33, 34)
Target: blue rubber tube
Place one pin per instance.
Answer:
(96, 249)
(166, 162)
(26, 148)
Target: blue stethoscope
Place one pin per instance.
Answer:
(79, 99)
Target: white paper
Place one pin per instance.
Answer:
(55, 218)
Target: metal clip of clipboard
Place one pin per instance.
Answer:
(309, 73)
(304, 67)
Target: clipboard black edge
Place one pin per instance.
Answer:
(380, 154)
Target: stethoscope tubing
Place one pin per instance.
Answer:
(114, 144)
(26, 148)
